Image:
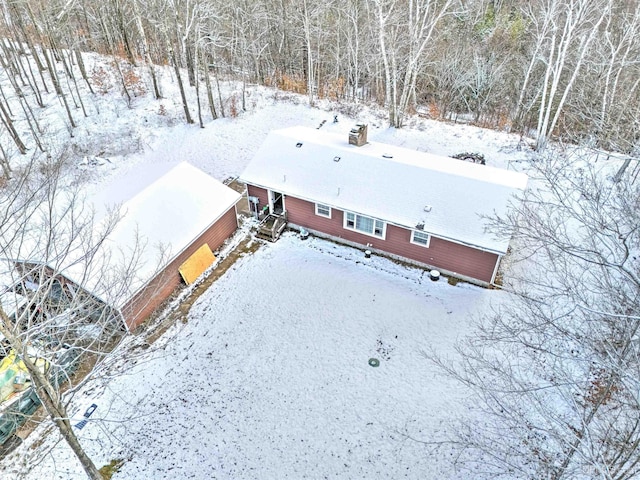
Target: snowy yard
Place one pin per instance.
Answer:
(269, 378)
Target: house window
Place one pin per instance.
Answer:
(323, 210)
(362, 224)
(420, 238)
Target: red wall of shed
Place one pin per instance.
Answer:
(138, 308)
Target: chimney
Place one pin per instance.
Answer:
(358, 135)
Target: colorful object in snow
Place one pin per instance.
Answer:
(196, 264)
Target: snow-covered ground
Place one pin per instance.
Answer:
(225, 146)
(269, 378)
(132, 146)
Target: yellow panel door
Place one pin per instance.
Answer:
(196, 264)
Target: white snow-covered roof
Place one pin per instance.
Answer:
(8, 276)
(10, 302)
(164, 217)
(394, 184)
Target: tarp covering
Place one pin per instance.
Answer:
(196, 264)
(14, 375)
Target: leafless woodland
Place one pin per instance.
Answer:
(552, 69)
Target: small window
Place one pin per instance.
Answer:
(362, 224)
(420, 238)
(323, 210)
(378, 229)
(351, 220)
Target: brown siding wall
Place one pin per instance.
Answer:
(147, 300)
(441, 253)
(261, 193)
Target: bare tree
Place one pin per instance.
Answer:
(573, 27)
(64, 281)
(404, 33)
(146, 53)
(556, 369)
(604, 107)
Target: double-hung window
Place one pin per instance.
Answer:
(420, 238)
(366, 225)
(323, 210)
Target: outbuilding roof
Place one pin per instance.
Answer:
(398, 185)
(157, 225)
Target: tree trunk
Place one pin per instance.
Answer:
(120, 21)
(207, 81)
(34, 84)
(308, 56)
(183, 95)
(83, 70)
(50, 400)
(12, 60)
(28, 77)
(31, 120)
(8, 123)
(146, 54)
(219, 94)
(13, 82)
(388, 100)
(574, 28)
(4, 162)
(56, 85)
(75, 85)
(197, 87)
(191, 63)
(28, 40)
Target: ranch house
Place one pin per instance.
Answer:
(410, 205)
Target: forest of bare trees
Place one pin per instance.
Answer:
(548, 69)
(545, 68)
